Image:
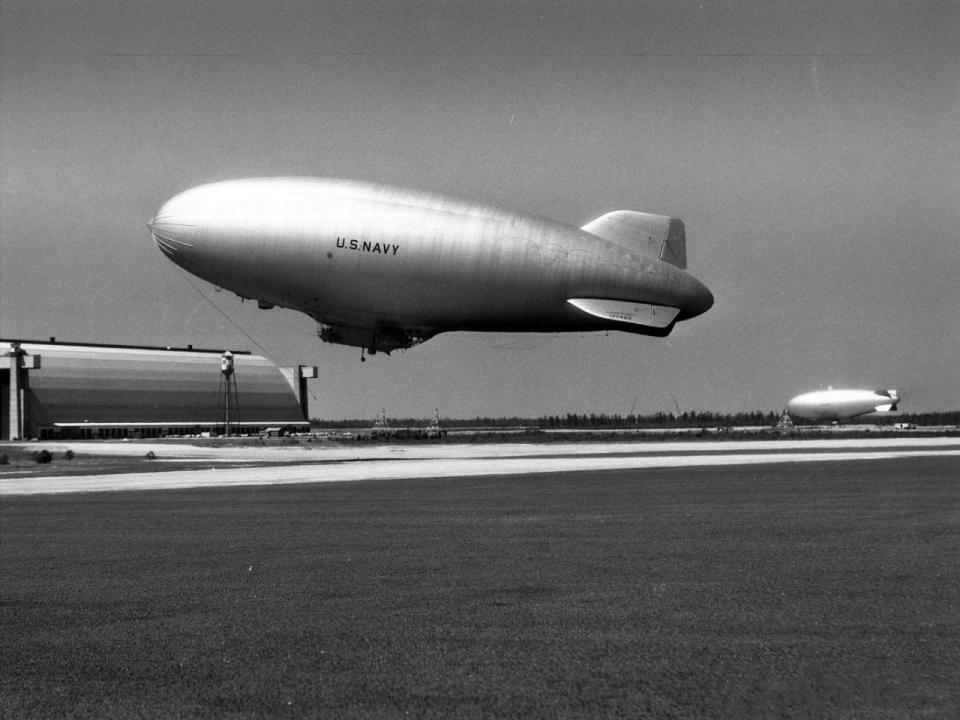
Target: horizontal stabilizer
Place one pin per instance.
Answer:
(658, 236)
(634, 313)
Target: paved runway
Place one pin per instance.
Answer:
(318, 463)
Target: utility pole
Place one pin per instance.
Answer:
(226, 369)
(17, 411)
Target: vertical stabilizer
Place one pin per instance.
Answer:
(658, 236)
(675, 246)
(895, 396)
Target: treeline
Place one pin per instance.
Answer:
(930, 418)
(602, 421)
(659, 420)
(576, 421)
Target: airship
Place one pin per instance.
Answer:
(834, 404)
(385, 268)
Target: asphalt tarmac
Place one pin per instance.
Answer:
(211, 465)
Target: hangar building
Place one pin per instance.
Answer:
(88, 391)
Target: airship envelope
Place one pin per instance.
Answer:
(836, 404)
(385, 268)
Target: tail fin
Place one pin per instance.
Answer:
(892, 405)
(895, 396)
(659, 236)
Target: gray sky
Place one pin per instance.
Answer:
(811, 148)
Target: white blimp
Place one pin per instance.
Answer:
(385, 268)
(834, 404)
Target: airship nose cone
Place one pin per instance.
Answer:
(170, 230)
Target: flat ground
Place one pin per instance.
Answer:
(811, 590)
(106, 466)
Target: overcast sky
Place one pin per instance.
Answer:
(811, 148)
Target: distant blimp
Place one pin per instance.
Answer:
(383, 268)
(842, 404)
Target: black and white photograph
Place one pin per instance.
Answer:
(479, 359)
